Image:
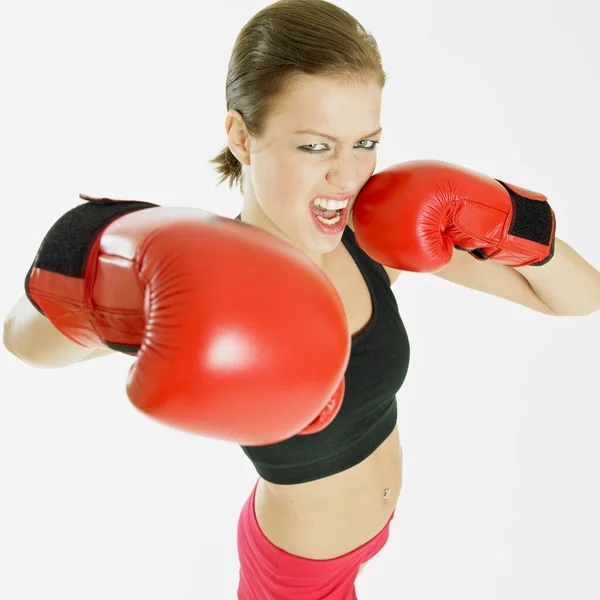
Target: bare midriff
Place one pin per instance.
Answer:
(332, 516)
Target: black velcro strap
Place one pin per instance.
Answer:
(532, 219)
(65, 248)
(549, 257)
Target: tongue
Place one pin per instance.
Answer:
(326, 214)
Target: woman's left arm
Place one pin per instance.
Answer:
(566, 286)
(567, 283)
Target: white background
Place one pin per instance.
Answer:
(499, 416)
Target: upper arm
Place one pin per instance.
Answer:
(492, 278)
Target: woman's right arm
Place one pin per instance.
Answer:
(32, 338)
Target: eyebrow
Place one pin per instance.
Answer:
(334, 139)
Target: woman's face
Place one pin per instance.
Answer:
(283, 177)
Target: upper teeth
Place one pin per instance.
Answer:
(330, 204)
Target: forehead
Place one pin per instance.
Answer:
(334, 104)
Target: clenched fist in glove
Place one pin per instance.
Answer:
(236, 334)
(411, 216)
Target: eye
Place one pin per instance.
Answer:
(306, 148)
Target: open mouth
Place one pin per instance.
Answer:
(324, 213)
(330, 221)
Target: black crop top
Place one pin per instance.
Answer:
(377, 368)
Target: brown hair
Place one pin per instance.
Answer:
(284, 39)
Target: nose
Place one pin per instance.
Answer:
(344, 174)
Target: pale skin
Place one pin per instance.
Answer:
(280, 179)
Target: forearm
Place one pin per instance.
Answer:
(567, 283)
(32, 338)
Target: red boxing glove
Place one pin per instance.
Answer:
(237, 335)
(411, 216)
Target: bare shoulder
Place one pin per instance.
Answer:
(393, 274)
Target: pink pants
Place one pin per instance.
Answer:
(269, 573)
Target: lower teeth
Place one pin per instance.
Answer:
(329, 221)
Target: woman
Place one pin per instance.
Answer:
(323, 503)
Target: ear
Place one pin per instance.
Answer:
(238, 139)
